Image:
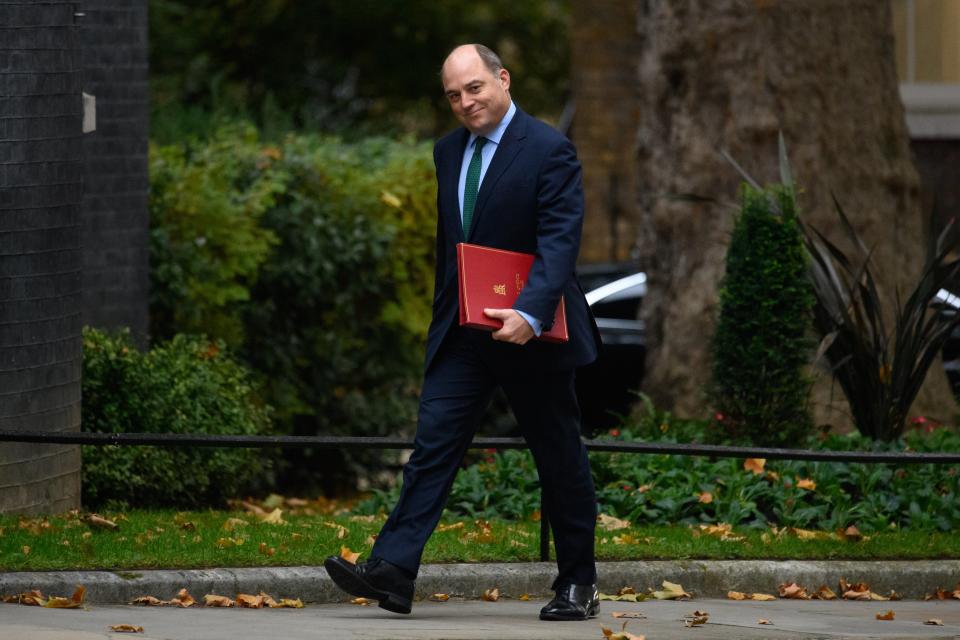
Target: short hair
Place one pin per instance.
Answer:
(490, 59)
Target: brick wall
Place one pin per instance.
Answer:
(115, 230)
(605, 54)
(41, 183)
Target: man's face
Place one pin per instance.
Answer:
(479, 99)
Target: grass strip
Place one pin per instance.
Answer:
(204, 539)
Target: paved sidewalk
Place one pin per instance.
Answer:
(477, 620)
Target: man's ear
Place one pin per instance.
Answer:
(505, 79)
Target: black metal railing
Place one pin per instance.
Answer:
(345, 442)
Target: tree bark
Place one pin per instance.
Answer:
(729, 75)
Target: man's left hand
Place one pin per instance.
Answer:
(515, 329)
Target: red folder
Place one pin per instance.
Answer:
(492, 279)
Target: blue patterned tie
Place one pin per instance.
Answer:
(472, 185)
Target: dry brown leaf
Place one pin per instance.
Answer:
(763, 621)
(723, 531)
(706, 497)
(126, 628)
(232, 523)
(805, 534)
(491, 595)
(525, 597)
(149, 601)
(934, 621)
(824, 593)
(610, 523)
(268, 601)
(671, 591)
(348, 555)
(274, 517)
(626, 591)
(99, 521)
(31, 598)
(754, 465)
(363, 602)
(696, 619)
(450, 527)
(440, 597)
(73, 602)
(482, 535)
(212, 600)
(853, 534)
(25, 549)
(265, 550)
(793, 591)
(736, 595)
(628, 614)
(288, 603)
(623, 634)
(762, 597)
(806, 483)
(247, 601)
(885, 615)
(183, 599)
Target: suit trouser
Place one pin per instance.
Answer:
(457, 388)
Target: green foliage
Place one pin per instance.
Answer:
(317, 269)
(880, 371)
(665, 490)
(206, 244)
(364, 66)
(188, 385)
(761, 345)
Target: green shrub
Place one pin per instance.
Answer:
(331, 308)
(187, 385)
(665, 489)
(762, 343)
(206, 246)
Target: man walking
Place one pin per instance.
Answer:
(508, 181)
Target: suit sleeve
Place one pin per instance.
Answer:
(559, 227)
(441, 258)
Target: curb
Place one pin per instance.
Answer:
(702, 578)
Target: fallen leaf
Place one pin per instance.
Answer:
(31, 599)
(671, 591)
(723, 531)
(626, 591)
(736, 595)
(98, 521)
(183, 599)
(696, 620)
(806, 483)
(268, 601)
(126, 628)
(824, 593)
(853, 534)
(886, 615)
(73, 602)
(805, 534)
(525, 597)
(148, 601)
(623, 634)
(628, 614)
(793, 591)
(274, 517)
(450, 527)
(441, 597)
(706, 497)
(762, 597)
(363, 602)
(212, 600)
(287, 603)
(232, 523)
(248, 601)
(763, 621)
(348, 555)
(934, 621)
(754, 465)
(610, 523)
(267, 551)
(491, 595)
(25, 550)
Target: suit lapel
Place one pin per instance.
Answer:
(507, 150)
(450, 197)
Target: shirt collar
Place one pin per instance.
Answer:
(495, 135)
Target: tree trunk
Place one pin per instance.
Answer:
(731, 74)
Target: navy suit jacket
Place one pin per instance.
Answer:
(530, 200)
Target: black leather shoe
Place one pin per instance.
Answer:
(375, 580)
(573, 602)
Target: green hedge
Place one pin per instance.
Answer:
(762, 343)
(187, 385)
